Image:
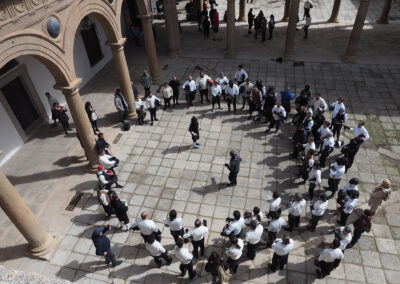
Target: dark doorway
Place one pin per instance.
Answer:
(92, 45)
(20, 103)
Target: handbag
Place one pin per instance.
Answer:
(223, 278)
(93, 116)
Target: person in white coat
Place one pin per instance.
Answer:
(296, 208)
(318, 211)
(202, 84)
(196, 236)
(185, 257)
(216, 92)
(282, 248)
(234, 251)
(151, 103)
(157, 251)
(253, 237)
(314, 179)
(223, 81)
(232, 92)
(109, 162)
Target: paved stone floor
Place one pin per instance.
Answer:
(161, 171)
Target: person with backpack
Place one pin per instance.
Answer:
(216, 267)
(102, 245)
(361, 225)
(120, 209)
(379, 194)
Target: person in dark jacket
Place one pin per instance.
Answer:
(271, 26)
(269, 103)
(301, 100)
(101, 144)
(194, 130)
(213, 265)
(92, 116)
(361, 225)
(233, 167)
(299, 139)
(319, 119)
(337, 124)
(250, 19)
(102, 245)
(206, 27)
(174, 84)
(350, 150)
(60, 114)
(120, 210)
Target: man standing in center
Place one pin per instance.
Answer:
(216, 92)
(202, 84)
(185, 256)
(190, 88)
(167, 93)
(151, 103)
(241, 75)
(232, 91)
(233, 167)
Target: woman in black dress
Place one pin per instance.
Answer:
(92, 116)
(120, 210)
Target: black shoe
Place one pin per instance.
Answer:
(169, 260)
(230, 184)
(119, 186)
(156, 119)
(249, 117)
(194, 275)
(270, 267)
(117, 263)
(266, 131)
(151, 123)
(319, 274)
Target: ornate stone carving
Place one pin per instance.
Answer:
(3, 12)
(10, 9)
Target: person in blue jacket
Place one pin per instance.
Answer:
(102, 245)
(286, 97)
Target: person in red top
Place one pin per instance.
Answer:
(215, 21)
(361, 225)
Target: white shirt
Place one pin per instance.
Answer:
(276, 225)
(278, 112)
(191, 84)
(349, 187)
(166, 92)
(146, 227)
(328, 143)
(297, 207)
(174, 225)
(360, 131)
(233, 252)
(105, 161)
(216, 90)
(103, 197)
(197, 233)
(315, 174)
(319, 207)
(309, 124)
(275, 204)
(102, 178)
(337, 108)
(223, 82)
(254, 217)
(202, 82)
(232, 92)
(310, 111)
(330, 255)
(345, 239)
(239, 74)
(319, 104)
(336, 171)
(248, 88)
(309, 146)
(254, 236)
(183, 255)
(138, 103)
(235, 227)
(155, 249)
(349, 205)
(151, 102)
(280, 248)
(323, 131)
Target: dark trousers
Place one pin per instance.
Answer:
(187, 267)
(196, 246)
(271, 238)
(294, 221)
(356, 236)
(233, 177)
(94, 126)
(279, 261)
(311, 190)
(167, 102)
(350, 161)
(114, 180)
(306, 31)
(275, 123)
(250, 27)
(233, 264)
(153, 114)
(230, 101)
(110, 257)
(190, 98)
(206, 33)
(314, 221)
(140, 114)
(224, 95)
(336, 129)
(254, 107)
(251, 251)
(108, 210)
(326, 267)
(270, 31)
(263, 36)
(122, 116)
(306, 12)
(65, 126)
(297, 148)
(324, 155)
(164, 256)
(333, 186)
(177, 234)
(204, 93)
(246, 99)
(146, 92)
(287, 108)
(256, 33)
(216, 100)
(122, 217)
(175, 98)
(343, 217)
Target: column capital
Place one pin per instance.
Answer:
(118, 45)
(69, 89)
(145, 16)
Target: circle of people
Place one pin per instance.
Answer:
(314, 136)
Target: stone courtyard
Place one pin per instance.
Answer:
(160, 171)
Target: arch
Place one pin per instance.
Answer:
(30, 42)
(102, 12)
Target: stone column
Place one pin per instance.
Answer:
(177, 32)
(287, 11)
(335, 12)
(197, 8)
(383, 19)
(356, 32)
(40, 241)
(81, 120)
(230, 30)
(169, 25)
(291, 30)
(123, 74)
(242, 11)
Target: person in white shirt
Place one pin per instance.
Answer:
(140, 110)
(275, 204)
(246, 89)
(190, 89)
(314, 179)
(234, 252)
(167, 93)
(241, 75)
(359, 131)
(196, 235)
(185, 257)
(107, 178)
(351, 185)
(322, 134)
(308, 123)
(318, 211)
(336, 172)
(343, 234)
(253, 237)
(337, 124)
(202, 84)
(350, 203)
(109, 162)
(235, 226)
(327, 260)
(279, 114)
(256, 215)
(274, 227)
(175, 224)
(336, 107)
(151, 103)
(326, 149)
(104, 200)
(157, 251)
(310, 145)
(216, 92)
(223, 81)
(295, 210)
(147, 227)
(320, 103)
(52, 100)
(306, 26)
(232, 91)
(282, 248)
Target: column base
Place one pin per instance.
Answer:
(229, 55)
(91, 168)
(172, 54)
(285, 19)
(333, 21)
(132, 115)
(179, 52)
(349, 59)
(47, 250)
(242, 19)
(379, 21)
(288, 57)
